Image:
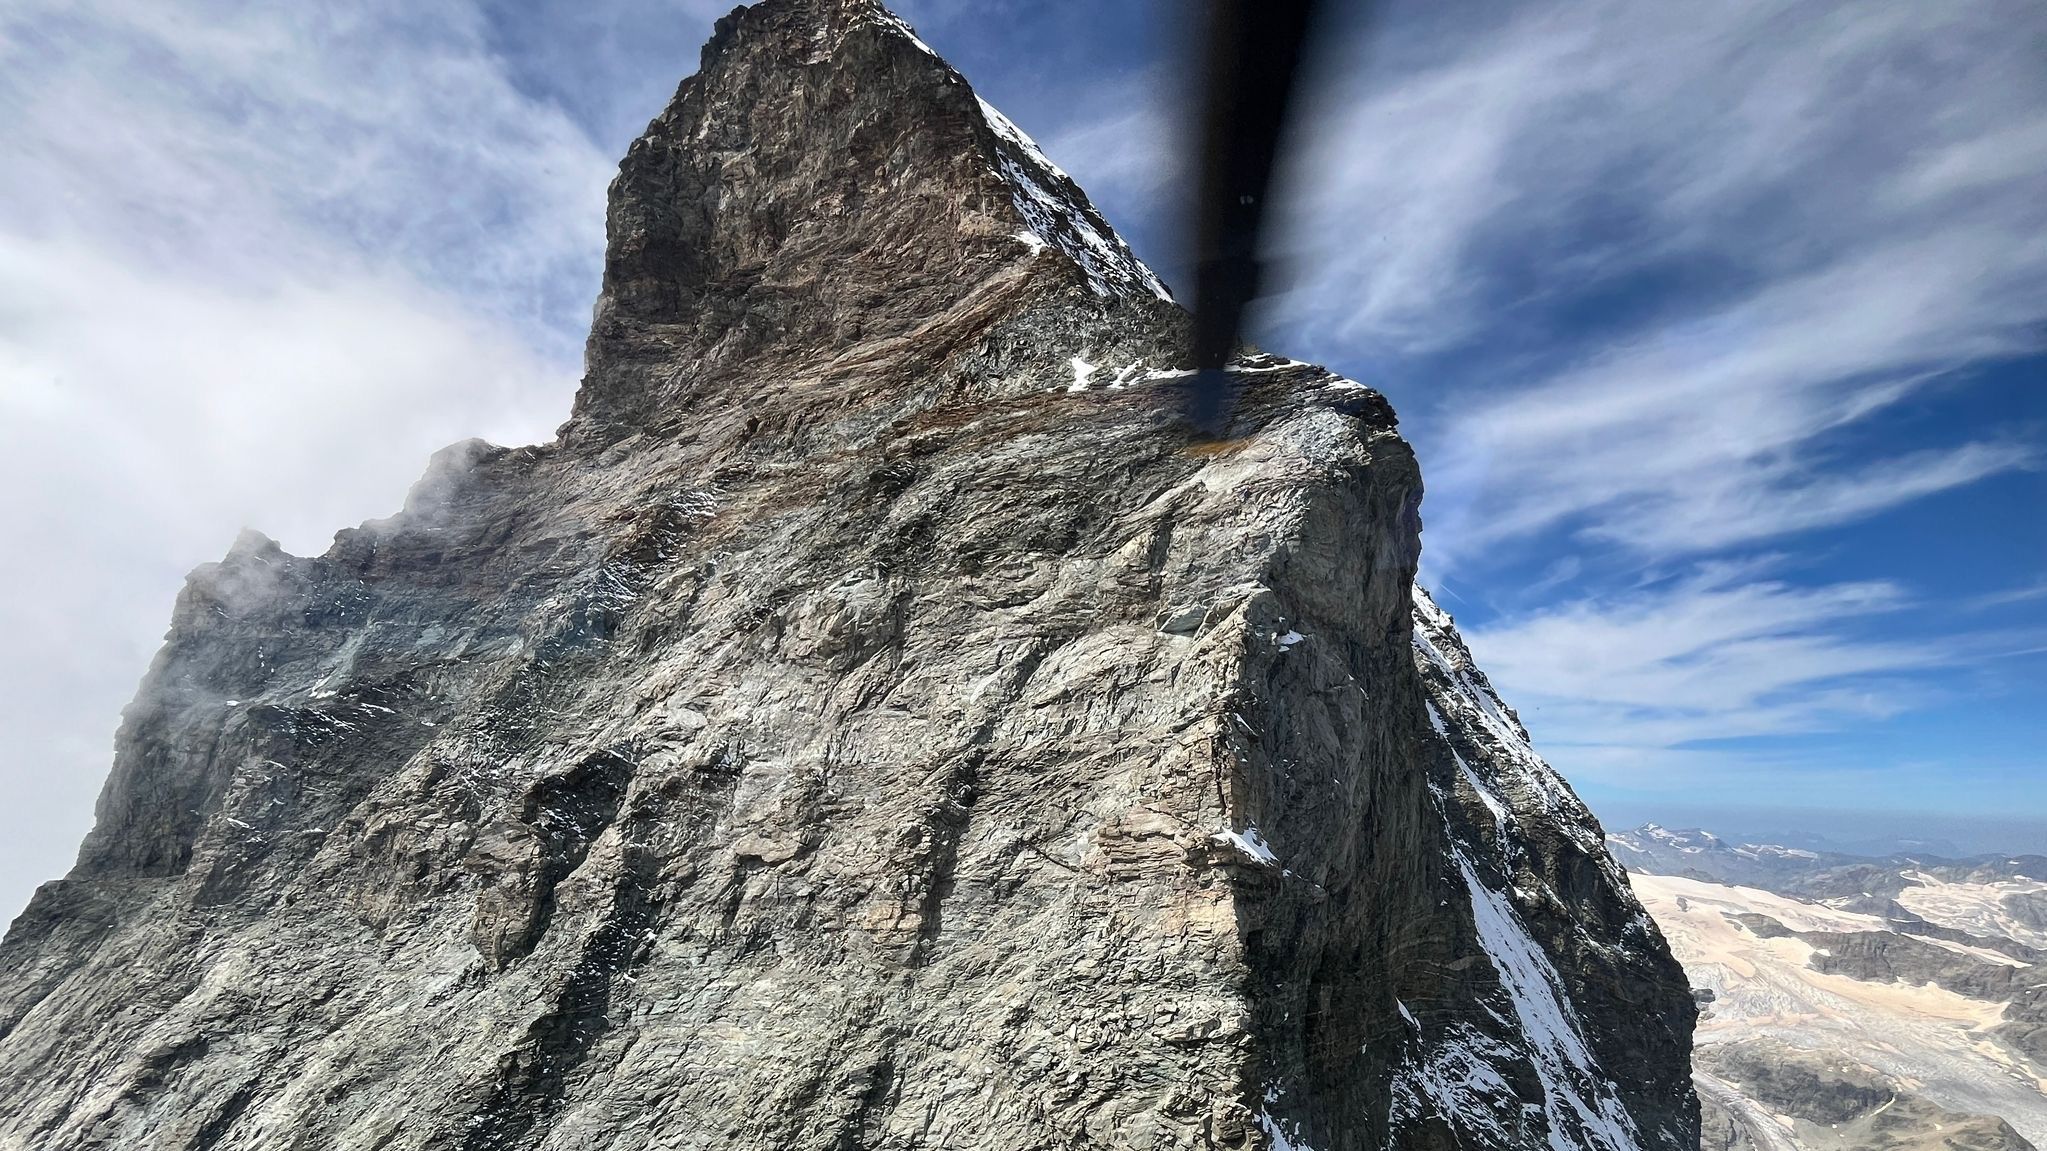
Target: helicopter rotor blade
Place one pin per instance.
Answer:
(1252, 62)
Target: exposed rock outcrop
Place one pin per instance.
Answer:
(872, 723)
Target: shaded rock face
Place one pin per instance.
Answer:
(871, 724)
(1596, 998)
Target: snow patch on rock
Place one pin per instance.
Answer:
(1577, 1096)
(1058, 213)
(1248, 843)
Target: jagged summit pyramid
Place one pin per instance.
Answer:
(827, 190)
(870, 725)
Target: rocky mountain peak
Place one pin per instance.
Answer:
(874, 725)
(826, 181)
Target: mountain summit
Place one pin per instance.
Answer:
(824, 191)
(871, 724)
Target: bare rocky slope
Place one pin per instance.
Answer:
(872, 723)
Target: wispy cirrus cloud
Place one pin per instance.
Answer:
(1501, 157)
(1726, 686)
(268, 143)
(1810, 212)
(2018, 594)
(1783, 220)
(1647, 279)
(1132, 153)
(1721, 653)
(1715, 430)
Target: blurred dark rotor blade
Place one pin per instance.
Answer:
(1251, 71)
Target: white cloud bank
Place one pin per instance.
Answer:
(256, 263)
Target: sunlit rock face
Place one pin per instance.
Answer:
(873, 723)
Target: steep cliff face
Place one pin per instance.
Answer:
(872, 723)
(1594, 993)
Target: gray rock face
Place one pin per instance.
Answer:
(872, 723)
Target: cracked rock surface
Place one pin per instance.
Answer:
(872, 723)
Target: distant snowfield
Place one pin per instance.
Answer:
(1977, 908)
(1934, 1040)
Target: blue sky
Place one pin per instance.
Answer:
(1719, 329)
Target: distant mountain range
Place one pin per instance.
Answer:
(1819, 874)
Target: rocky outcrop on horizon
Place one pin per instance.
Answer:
(874, 722)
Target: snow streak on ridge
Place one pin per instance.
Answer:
(1458, 1073)
(1059, 213)
(1549, 1026)
(1436, 640)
